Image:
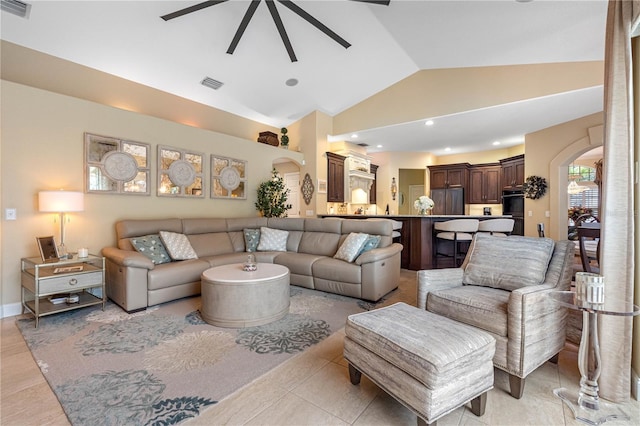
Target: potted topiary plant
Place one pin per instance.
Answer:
(272, 197)
(284, 139)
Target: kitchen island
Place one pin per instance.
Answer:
(416, 236)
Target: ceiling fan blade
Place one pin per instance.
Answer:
(243, 26)
(381, 2)
(283, 33)
(190, 9)
(313, 21)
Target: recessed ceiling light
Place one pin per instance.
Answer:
(496, 143)
(447, 149)
(291, 82)
(354, 136)
(378, 146)
(428, 123)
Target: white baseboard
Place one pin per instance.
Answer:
(10, 310)
(635, 385)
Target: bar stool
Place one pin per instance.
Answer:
(456, 230)
(497, 227)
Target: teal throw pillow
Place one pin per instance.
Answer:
(371, 242)
(251, 239)
(152, 247)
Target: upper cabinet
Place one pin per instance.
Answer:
(449, 176)
(513, 172)
(335, 178)
(484, 184)
(372, 192)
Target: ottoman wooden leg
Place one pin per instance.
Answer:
(478, 404)
(354, 375)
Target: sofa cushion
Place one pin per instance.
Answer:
(297, 263)
(320, 243)
(337, 271)
(152, 247)
(251, 239)
(481, 307)
(178, 246)
(351, 247)
(272, 239)
(211, 244)
(507, 263)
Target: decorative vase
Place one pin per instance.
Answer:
(425, 212)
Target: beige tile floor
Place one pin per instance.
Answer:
(312, 388)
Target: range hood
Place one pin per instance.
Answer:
(357, 176)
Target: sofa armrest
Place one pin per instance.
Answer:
(127, 258)
(379, 253)
(437, 279)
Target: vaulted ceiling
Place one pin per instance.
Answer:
(388, 43)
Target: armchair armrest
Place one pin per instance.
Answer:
(437, 279)
(536, 327)
(379, 253)
(127, 258)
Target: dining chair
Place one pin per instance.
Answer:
(589, 244)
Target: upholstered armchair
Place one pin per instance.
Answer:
(503, 288)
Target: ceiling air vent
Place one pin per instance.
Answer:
(210, 82)
(16, 7)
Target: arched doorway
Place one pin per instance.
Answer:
(289, 170)
(559, 170)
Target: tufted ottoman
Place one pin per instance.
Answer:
(429, 363)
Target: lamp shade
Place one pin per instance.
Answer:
(60, 201)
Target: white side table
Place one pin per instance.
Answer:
(586, 405)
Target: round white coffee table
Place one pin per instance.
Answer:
(234, 298)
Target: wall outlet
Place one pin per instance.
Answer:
(530, 213)
(10, 214)
(309, 212)
(547, 213)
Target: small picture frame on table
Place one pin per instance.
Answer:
(48, 249)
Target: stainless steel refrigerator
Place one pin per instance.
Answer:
(448, 201)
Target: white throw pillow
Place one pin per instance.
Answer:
(178, 246)
(350, 248)
(272, 239)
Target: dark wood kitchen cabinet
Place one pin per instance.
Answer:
(484, 184)
(372, 192)
(335, 178)
(512, 172)
(449, 176)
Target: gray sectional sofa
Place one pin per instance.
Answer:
(135, 282)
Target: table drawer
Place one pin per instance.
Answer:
(70, 282)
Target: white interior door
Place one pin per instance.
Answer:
(292, 182)
(415, 191)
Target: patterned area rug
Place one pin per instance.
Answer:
(165, 364)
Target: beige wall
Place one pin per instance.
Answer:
(548, 153)
(434, 93)
(42, 149)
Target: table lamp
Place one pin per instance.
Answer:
(61, 202)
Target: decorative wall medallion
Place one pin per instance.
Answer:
(182, 173)
(307, 188)
(229, 178)
(120, 166)
(115, 166)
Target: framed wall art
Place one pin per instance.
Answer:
(228, 178)
(180, 173)
(116, 166)
(322, 186)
